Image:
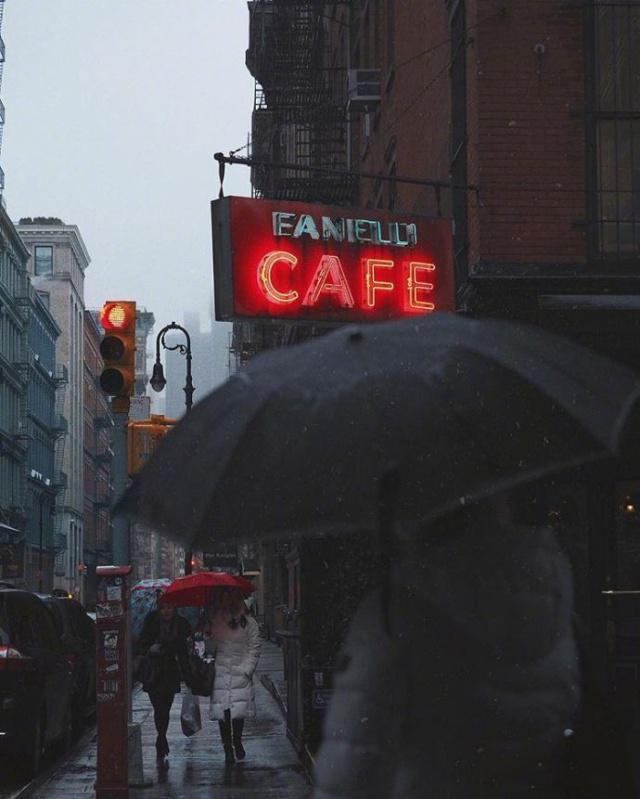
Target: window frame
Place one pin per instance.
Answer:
(617, 259)
(35, 259)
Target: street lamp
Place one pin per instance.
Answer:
(158, 382)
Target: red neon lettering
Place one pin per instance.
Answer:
(329, 269)
(265, 281)
(371, 282)
(418, 286)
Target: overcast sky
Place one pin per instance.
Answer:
(114, 111)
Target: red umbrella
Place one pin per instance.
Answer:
(195, 590)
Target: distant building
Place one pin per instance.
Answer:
(145, 321)
(98, 461)
(203, 365)
(44, 426)
(13, 399)
(57, 265)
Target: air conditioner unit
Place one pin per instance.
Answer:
(363, 87)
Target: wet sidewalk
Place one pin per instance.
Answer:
(196, 769)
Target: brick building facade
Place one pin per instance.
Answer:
(98, 458)
(520, 122)
(531, 111)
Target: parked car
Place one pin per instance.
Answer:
(36, 681)
(77, 634)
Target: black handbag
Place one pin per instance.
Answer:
(202, 674)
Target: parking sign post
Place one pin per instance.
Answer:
(113, 689)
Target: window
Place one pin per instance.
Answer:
(43, 259)
(616, 141)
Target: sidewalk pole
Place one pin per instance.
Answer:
(112, 608)
(120, 524)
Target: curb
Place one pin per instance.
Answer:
(269, 684)
(60, 763)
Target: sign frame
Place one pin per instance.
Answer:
(249, 233)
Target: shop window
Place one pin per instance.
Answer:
(43, 259)
(616, 134)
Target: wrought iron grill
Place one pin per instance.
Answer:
(615, 213)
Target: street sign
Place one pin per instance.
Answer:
(144, 438)
(222, 557)
(140, 409)
(321, 698)
(303, 261)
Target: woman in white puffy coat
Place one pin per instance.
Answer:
(473, 686)
(233, 637)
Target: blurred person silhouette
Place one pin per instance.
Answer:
(461, 676)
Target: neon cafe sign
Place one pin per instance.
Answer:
(298, 261)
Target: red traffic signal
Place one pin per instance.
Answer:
(118, 347)
(118, 316)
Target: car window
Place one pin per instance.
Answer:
(23, 612)
(5, 634)
(79, 623)
(76, 616)
(46, 632)
(84, 625)
(56, 615)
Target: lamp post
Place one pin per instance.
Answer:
(40, 548)
(35, 475)
(158, 382)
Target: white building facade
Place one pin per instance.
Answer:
(57, 266)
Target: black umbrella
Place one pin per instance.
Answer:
(300, 441)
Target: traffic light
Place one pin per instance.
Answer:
(143, 439)
(118, 348)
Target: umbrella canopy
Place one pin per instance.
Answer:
(197, 589)
(143, 601)
(155, 584)
(301, 440)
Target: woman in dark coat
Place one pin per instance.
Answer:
(163, 645)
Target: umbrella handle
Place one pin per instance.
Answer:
(387, 502)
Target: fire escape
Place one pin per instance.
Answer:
(299, 114)
(60, 477)
(300, 118)
(2, 55)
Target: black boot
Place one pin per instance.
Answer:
(225, 734)
(162, 747)
(237, 727)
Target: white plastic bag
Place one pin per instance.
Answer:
(190, 719)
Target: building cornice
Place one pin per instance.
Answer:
(13, 234)
(53, 234)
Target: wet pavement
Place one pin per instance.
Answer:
(196, 765)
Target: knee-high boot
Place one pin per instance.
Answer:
(225, 735)
(238, 726)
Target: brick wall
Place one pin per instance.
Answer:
(412, 120)
(525, 122)
(526, 132)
